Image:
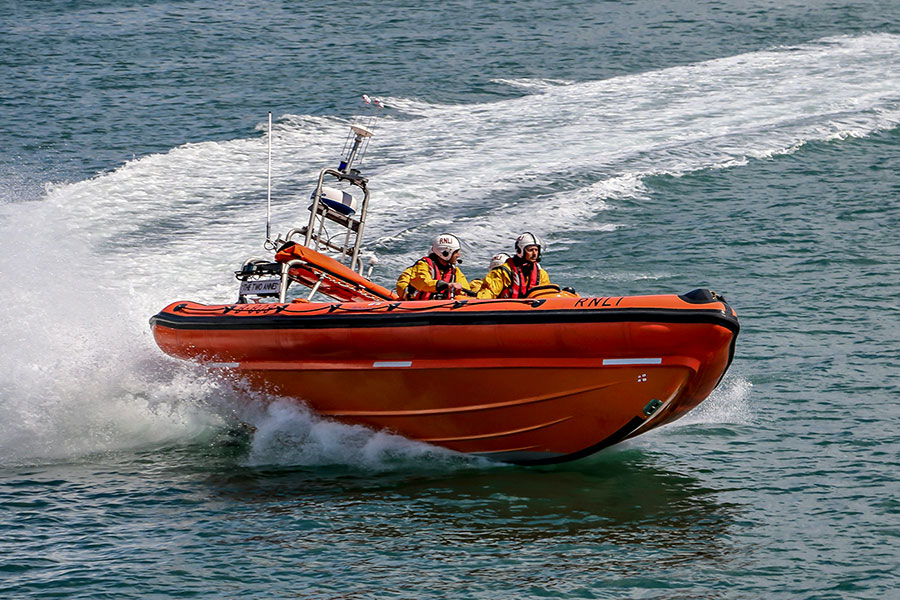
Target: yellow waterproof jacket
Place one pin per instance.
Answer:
(422, 280)
(500, 280)
(403, 281)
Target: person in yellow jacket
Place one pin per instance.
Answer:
(518, 275)
(436, 276)
(496, 260)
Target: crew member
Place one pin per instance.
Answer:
(436, 276)
(519, 274)
(497, 260)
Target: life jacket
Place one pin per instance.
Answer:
(449, 276)
(520, 284)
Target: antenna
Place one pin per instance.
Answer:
(358, 139)
(269, 180)
(361, 137)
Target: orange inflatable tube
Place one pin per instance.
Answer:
(334, 279)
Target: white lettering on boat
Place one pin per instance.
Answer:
(262, 286)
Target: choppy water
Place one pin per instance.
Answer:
(752, 149)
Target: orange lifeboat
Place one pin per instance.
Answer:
(548, 378)
(528, 381)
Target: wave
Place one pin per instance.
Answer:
(287, 433)
(533, 85)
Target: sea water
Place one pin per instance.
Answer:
(751, 148)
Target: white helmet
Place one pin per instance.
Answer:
(445, 245)
(498, 259)
(528, 239)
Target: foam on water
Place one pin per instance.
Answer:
(533, 85)
(480, 164)
(729, 403)
(287, 433)
(93, 260)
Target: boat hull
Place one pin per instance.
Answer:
(524, 381)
